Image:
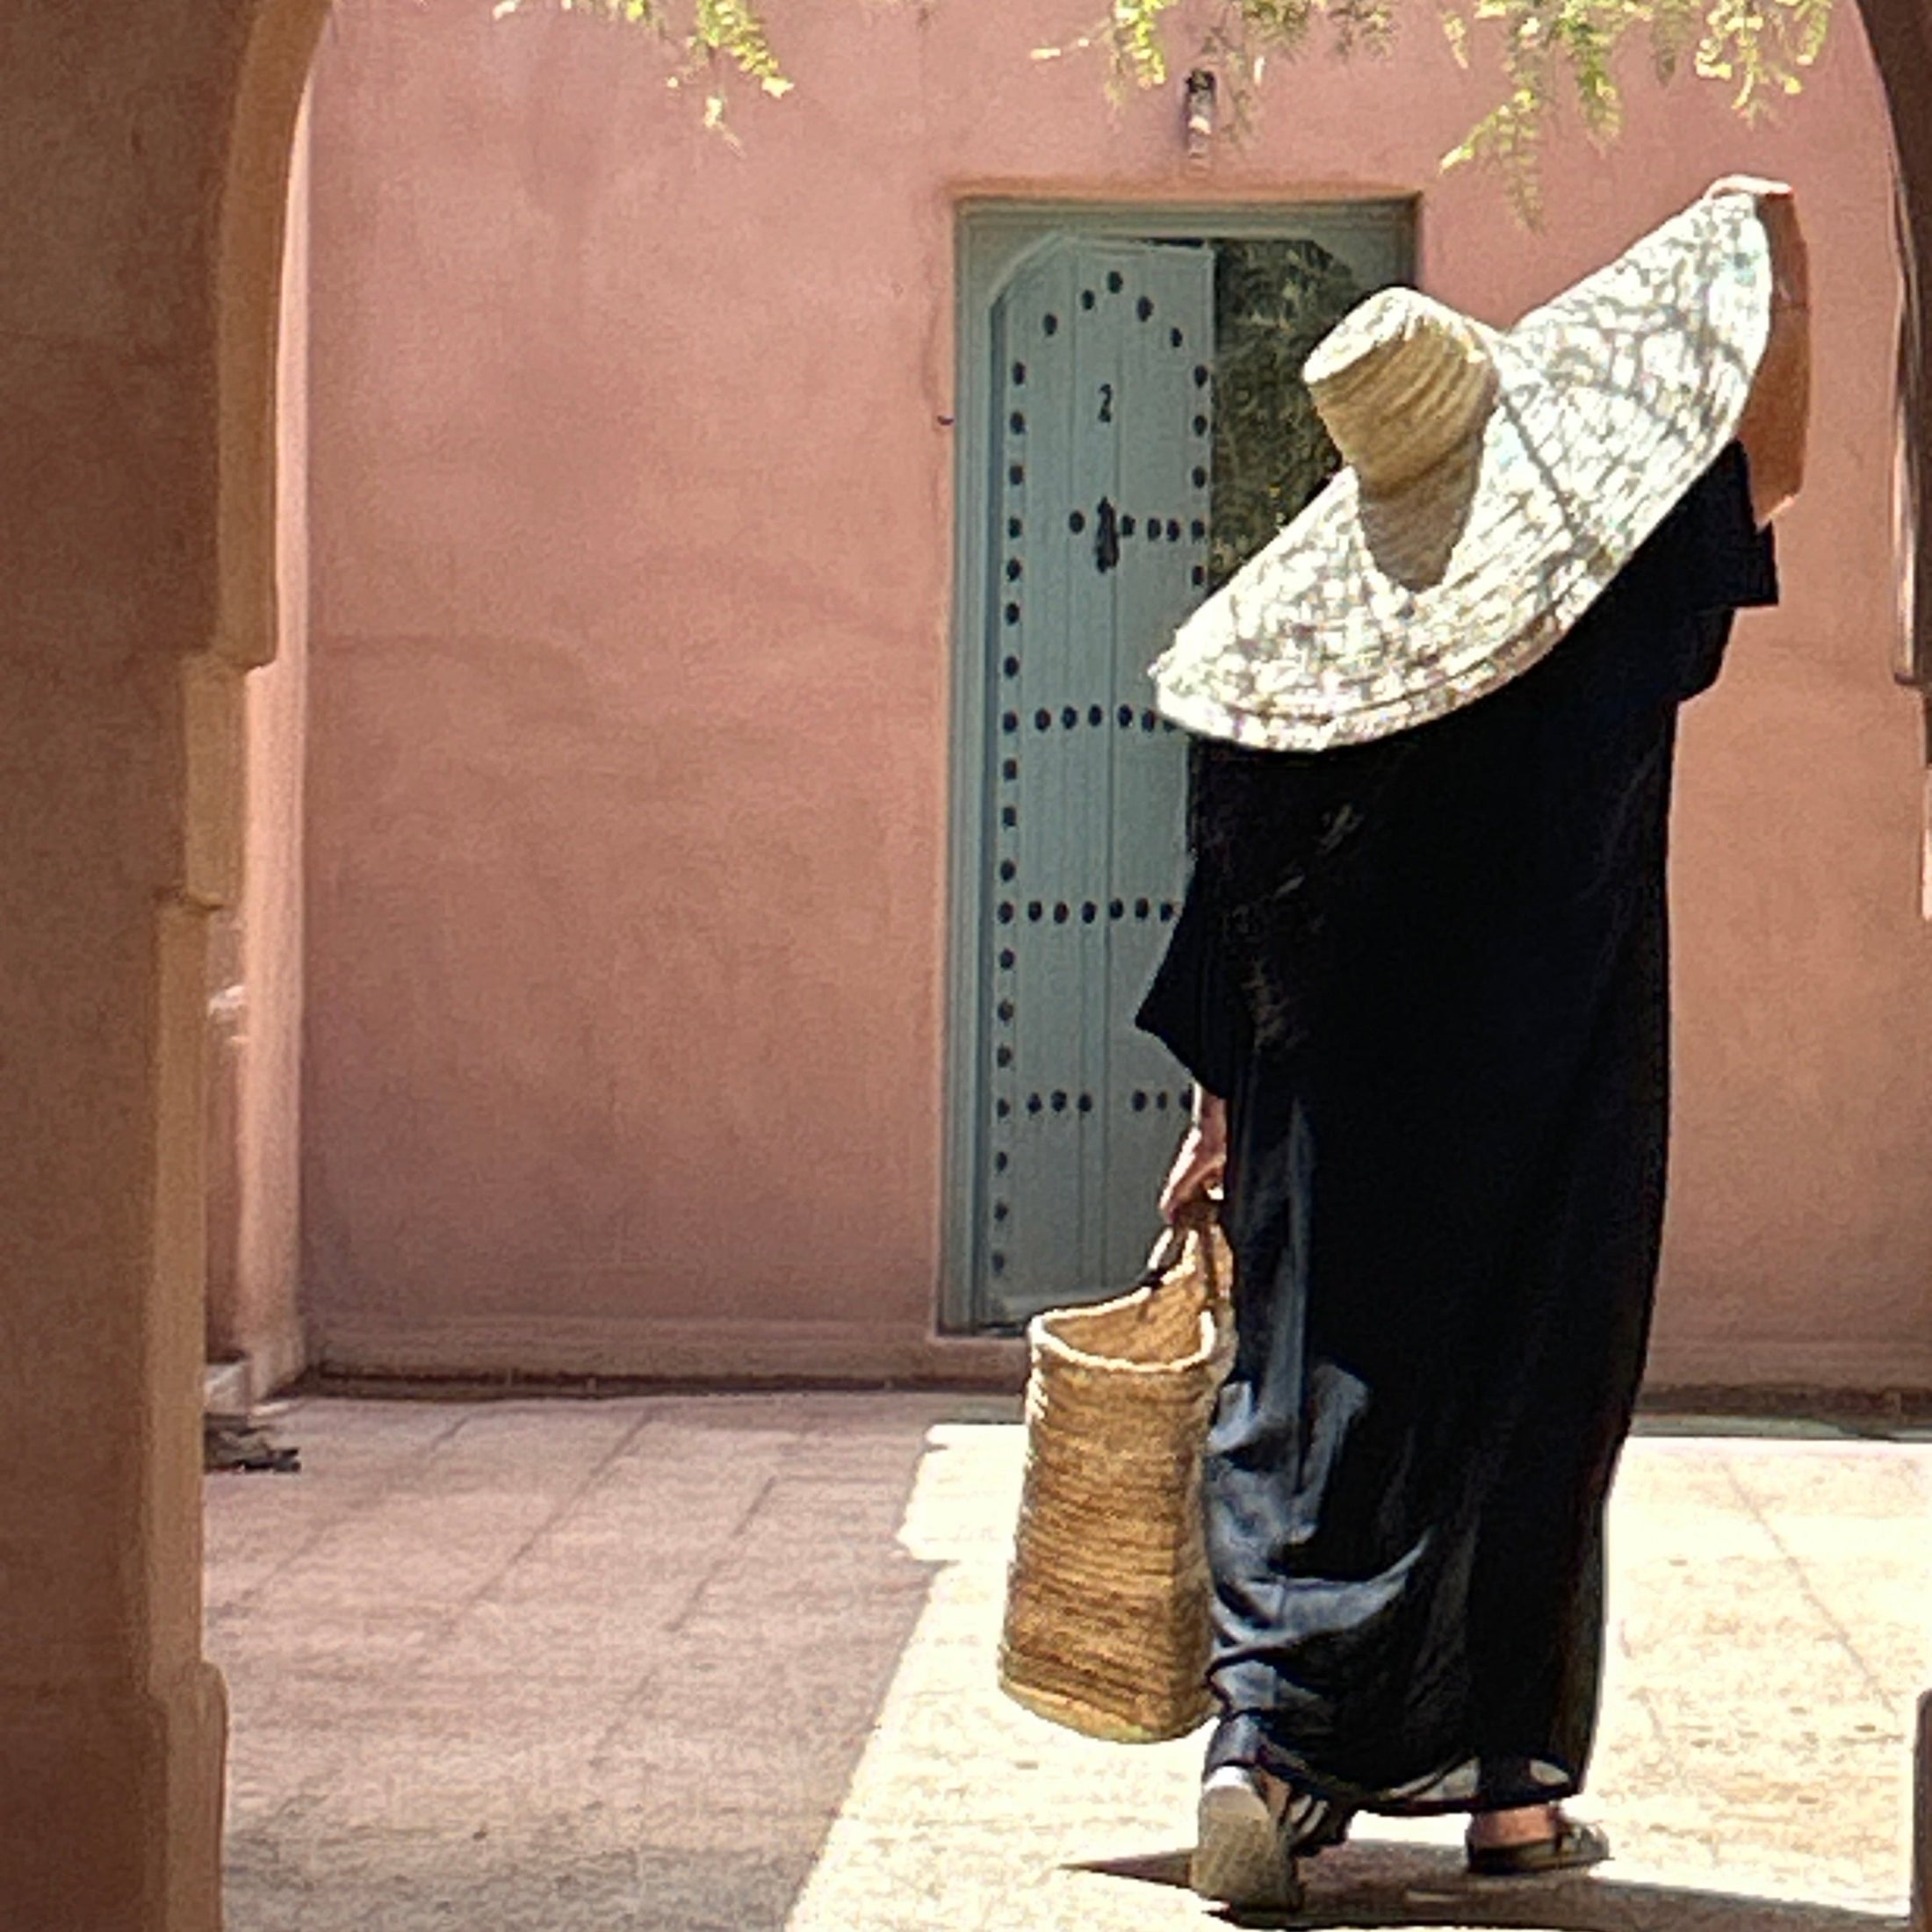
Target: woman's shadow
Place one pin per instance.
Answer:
(1388, 1885)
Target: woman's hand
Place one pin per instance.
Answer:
(1776, 416)
(1203, 1159)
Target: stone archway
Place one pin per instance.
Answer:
(137, 355)
(137, 359)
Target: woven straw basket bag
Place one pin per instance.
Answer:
(1108, 1595)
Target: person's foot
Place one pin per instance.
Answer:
(1519, 1825)
(1242, 1849)
(1527, 1840)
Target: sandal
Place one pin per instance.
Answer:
(1573, 1848)
(1245, 1849)
(1316, 1824)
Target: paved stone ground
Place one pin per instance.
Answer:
(723, 1664)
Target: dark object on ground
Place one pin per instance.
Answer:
(230, 1443)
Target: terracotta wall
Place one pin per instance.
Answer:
(632, 525)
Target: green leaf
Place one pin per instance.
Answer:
(1547, 51)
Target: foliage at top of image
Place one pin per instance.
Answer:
(715, 38)
(1756, 49)
(1548, 53)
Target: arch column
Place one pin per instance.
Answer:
(112, 1725)
(1901, 35)
(137, 436)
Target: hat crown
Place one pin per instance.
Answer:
(1402, 382)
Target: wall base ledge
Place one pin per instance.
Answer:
(538, 1347)
(723, 1354)
(234, 1384)
(1869, 1368)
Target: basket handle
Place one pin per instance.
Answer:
(1196, 1217)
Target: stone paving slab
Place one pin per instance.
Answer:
(695, 1663)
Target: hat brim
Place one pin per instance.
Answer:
(1611, 401)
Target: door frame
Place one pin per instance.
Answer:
(993, 238)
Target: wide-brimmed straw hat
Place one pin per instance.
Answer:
(1496, 482)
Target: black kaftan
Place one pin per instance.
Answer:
(1430, 977)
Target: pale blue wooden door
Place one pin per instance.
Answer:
(1099, 511)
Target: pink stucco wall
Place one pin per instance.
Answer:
(632, 519)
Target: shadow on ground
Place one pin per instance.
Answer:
(603, 1666)
(1366, 1883)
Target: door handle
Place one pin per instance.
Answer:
(1106, 538)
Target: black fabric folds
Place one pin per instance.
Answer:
(1430, 976)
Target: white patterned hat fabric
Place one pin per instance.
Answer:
(1495, 483)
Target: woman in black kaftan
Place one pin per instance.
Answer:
(1421, 980)
(1429, 976)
